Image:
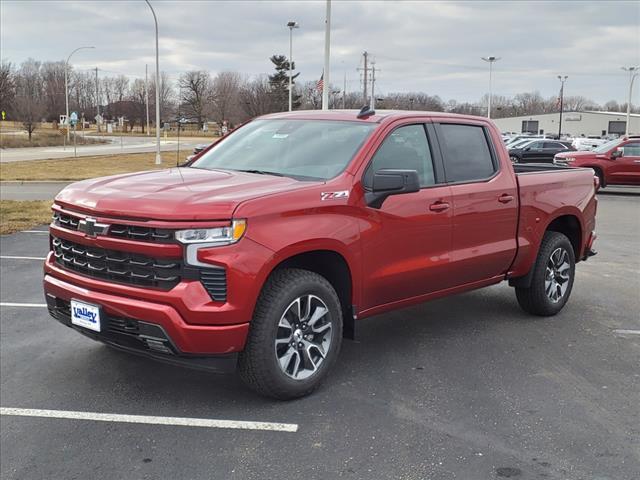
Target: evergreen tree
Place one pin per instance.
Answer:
(279, 82)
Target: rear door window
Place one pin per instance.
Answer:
(467, 153)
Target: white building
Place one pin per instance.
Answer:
(573, 123)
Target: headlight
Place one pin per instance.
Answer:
(215, 236)
(569, 160)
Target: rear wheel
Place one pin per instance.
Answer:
(295, 335)
(552, 278)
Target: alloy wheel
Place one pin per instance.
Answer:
(558, 274)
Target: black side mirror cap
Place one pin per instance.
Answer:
(617, 153)
(391, 181)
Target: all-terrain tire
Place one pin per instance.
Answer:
(545, 282)
(258, 365)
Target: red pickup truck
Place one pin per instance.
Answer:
(268, 247)
(615, 163)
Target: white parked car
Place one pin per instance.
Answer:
(585, 143)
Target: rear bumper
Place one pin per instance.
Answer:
(146, 327)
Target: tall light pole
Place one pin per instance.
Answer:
(66, 84)
(562, 80)
(158, 157)
(291, 26)
(491, 60)
(327, 54)
(633, 73)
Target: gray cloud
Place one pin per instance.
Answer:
(418, 45)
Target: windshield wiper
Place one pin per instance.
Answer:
(262, 172)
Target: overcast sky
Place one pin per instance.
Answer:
(433, 47)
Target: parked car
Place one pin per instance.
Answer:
(538, 151)
(276, 241)
(587, 143)
(617, 162)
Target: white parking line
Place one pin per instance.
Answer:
(34, 231)
(151, 420)
(627, 332)
(29, 305)
(10, 257)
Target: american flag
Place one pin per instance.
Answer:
(320, 83)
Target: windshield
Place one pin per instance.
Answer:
(303, 149)
(605, 147)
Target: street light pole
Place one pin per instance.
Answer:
(291, 26)
(562, 80)
(66, 84)
(633, 73)
(158, 157)
(491, 60)
(326, 84)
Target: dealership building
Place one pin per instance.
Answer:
(573, 123)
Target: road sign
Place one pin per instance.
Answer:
(73, 118)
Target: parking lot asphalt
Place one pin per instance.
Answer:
(468, 387)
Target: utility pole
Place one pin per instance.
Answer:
(491, 60)
(344, 91)
(366, 83)
(66, 84)
(327, 55)
(633, 73)
(97, 102)
(373, 85)
(146, 94)
(562, 80)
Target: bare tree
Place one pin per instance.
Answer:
(167, 97)
(196, 89)
(53, 89)
(29, 108)
(255, 97)
(225, 95)
(7, 87)
(137, 97)
(121, 86)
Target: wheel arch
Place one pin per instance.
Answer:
(335, 268)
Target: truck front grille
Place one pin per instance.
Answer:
(117, 266)
(132, 232)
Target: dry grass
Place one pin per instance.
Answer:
(43, 138)
(16, 216)
(81, 168)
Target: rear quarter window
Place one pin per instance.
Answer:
(466, 151)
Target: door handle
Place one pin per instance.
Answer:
(636, 161)
(439, 206)
(505, 198)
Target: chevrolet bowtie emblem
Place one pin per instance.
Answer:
(92, 228)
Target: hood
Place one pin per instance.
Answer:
(173, 194)
(580, 154)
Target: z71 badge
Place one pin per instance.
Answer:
(334, 195)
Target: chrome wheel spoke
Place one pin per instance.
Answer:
(557, 275)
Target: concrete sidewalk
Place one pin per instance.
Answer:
(30, 190)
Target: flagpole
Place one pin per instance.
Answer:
(327, 51)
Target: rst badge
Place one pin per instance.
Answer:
(334, 195)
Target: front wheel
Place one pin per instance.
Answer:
(514, 159)
(295, 335)
(552, 278)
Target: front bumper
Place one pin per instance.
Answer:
(157, 324)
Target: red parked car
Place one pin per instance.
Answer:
(615, 163)
(272, 243)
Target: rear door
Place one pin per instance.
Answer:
(485, 203)
(549, 150)
(626, 169)
(406, 243)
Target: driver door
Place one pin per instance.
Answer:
(406, 242)
(626, 169)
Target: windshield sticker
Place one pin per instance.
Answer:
(334, 195)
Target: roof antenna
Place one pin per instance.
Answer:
(366, 111)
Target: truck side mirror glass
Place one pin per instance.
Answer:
(391, 181)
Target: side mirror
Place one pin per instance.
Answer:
(617, 153)
(391, 181)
